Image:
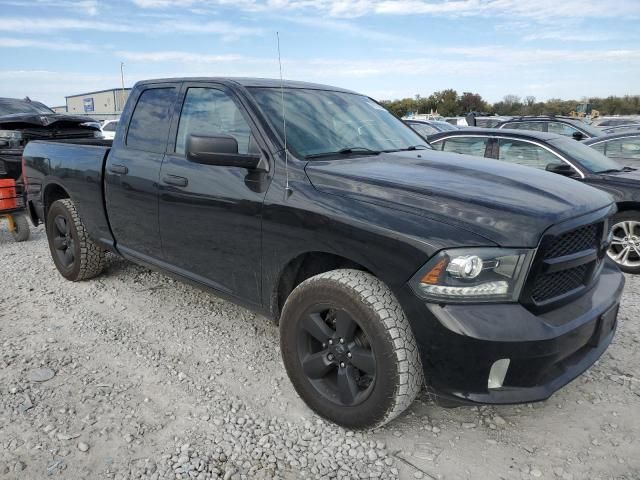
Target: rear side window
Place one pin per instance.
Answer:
(211, 112)
(525, 153)
(110, 127)
(475, 146)
(537, 126)
(149, 124)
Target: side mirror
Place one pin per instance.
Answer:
(578, 135)
(221, 150)
(561, 169)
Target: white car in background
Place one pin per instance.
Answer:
(109, 128)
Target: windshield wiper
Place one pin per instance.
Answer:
(410, 148)
(345, 151)
(613, 170)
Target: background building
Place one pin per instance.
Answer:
(100, 105)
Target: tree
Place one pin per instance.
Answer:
(472, 102)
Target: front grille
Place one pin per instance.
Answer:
(574, 241)
(566, 263)
(558, 283)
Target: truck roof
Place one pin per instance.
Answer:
(249, 82)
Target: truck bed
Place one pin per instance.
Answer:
(78, 166)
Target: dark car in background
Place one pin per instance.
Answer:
(623, 147)
(428, 127)
(565, 126)
(25, 120)
(564, 156)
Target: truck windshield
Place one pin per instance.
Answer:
(11, 106)
(324, 123)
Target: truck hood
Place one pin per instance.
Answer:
(507, 204)
(29, 120)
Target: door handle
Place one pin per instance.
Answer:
(175, 180)
(119, 169)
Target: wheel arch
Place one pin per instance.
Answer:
(302, 267)
(52, 192)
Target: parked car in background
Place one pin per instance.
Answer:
(564, 156)
(621, 128)
(603, 122)
(428, 127)
(25, 120)
(109, 129)
(565, 126)
(624, 147)
(384, 261)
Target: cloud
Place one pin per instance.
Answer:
(55, 45)
(165, 27)
(183, 57)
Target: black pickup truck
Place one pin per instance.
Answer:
(385, 262)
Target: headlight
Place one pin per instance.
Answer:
(11, 134)
(474, 275)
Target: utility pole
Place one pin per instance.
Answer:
(122, 78)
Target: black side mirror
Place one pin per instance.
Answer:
(561, 169)
(221, 150)
(578, 135)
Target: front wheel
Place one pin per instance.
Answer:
(625, 245)
(21, 232)
(76, 256)
(349, 350)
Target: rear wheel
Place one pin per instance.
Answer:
(22, 231)
(349, 350)
(75, 255)
(625, 247)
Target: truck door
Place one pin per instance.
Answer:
(132, 171)
(211, 215)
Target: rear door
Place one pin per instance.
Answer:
(132, 171)
(477, 146)
(211, 215)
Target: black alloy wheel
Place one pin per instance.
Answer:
(63, 241)
(336, 355)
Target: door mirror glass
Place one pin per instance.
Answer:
(560, 169)
(221, 150)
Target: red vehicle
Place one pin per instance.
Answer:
(12, 209)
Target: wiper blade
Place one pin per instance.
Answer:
(613, 170)
(345, 151)
(410, 148)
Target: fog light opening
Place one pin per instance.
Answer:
(498, 372)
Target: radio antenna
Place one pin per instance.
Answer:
(287, 190)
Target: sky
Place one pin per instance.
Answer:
(387, 49)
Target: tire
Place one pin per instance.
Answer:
(626, 238)
(22, 233)
(75, 255)
(326, 306)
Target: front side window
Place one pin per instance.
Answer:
(475, 146)
(211, 112)
(537, 126)
(525, 153)
(423, 129)
(149, 125)
(562, 129)
(11, 106)
(324, 122)
(622, 148)
(110, 127)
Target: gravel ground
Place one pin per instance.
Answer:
(134, 375)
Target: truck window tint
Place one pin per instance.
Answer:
(149, 124)
(562, 129)
(467, 145)
(527, 154)
(622, 148)
(211, 112)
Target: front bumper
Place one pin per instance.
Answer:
(460, 343)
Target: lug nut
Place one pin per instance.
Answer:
(330, 357)
(349, 354)
(342, 340)
(341, 364)
(330, 341)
